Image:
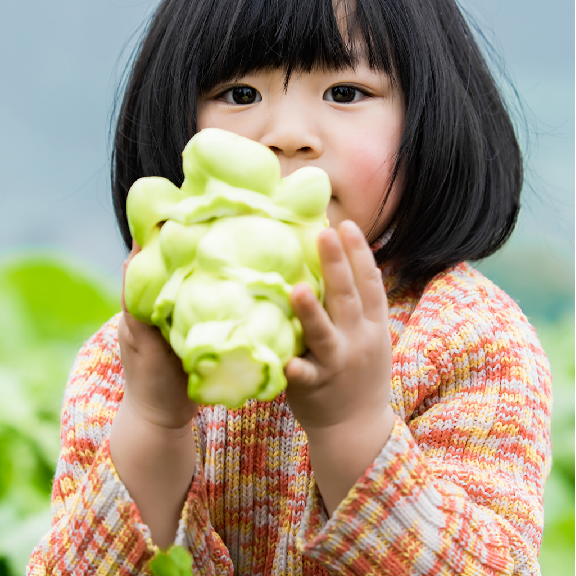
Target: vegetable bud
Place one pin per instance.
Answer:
(219, 259)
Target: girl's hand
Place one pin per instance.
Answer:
(151, 440)
(344, 378)
(156, 384)
(340, 390)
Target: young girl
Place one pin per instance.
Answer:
(413, 436)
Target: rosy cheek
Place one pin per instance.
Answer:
(368, 170)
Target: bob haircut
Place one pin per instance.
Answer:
(461, 163)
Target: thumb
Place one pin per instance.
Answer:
(126, 263)
(302, 372)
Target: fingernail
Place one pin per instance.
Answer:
(350, 227)
(305, 291)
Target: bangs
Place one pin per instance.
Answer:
(242, 36)
(461, 163)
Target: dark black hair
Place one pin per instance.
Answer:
(459, 156)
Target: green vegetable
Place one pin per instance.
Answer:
(173, 562)
(219, 259)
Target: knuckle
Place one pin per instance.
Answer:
(327, 342)
(374, 275)
(125, 335)
(347, 296)
(307, 378)
(318, 335)
(348, 300)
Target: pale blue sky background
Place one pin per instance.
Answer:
(60, 62)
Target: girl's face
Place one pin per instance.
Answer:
(347, 122)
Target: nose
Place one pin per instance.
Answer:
(292, 132)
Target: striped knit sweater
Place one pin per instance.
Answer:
(457, 489)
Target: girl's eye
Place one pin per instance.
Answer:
(343, 94)
(241, 95)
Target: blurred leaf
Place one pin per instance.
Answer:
(41, 370)
(19, 539)
(49, 305)
(15, 408)
(174, 562)
(5, 465)
(557, 551)
(31, 475)
(61, 299)
(558, 499)
(558, 342)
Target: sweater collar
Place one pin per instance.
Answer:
(389, 277)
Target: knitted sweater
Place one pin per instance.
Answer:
(457, 489)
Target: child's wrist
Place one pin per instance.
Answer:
(341, 454)
(355, 430)
(140, 448)
(156, 464)
(154, 420)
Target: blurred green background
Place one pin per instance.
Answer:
(51, 303)
(61, 255)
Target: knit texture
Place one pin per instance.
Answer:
(457, 489)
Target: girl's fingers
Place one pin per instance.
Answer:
(133, 252)
(131, 324)
(302, 372)
(122, 299)
(341, 297)
(367, 276)
(319, 332)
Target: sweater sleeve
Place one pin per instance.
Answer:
(96, 526)
(458, 487)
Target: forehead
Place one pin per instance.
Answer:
(241, 37)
